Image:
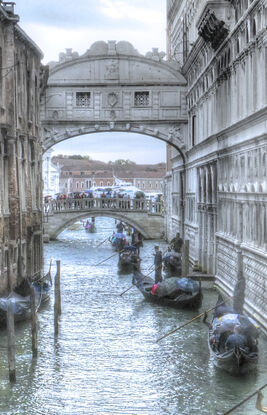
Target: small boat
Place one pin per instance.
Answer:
(21, 304)
(174, 292)
(128, 258)
(90, 227)
(21, 301)
(233, 340)
(172, 264)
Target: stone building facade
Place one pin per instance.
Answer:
(20, 153)
(218, 199)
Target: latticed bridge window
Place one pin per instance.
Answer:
(141, 99)
(83, 99)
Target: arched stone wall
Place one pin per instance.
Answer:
(149, 225)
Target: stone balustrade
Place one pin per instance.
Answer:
(103, 204)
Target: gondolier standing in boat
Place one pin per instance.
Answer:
(120, 227)
(158, 264)
(177, 243)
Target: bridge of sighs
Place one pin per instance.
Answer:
(112, 87)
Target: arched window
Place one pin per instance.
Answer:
(253, 28)
(247, 34)
(237, 46)
(229, 56)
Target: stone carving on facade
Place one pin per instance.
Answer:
(212, 30)
(68, 55)
(112, 70)
(112, 99)
(174, 135)
(112, 114)
(49, 133)
(155, 55)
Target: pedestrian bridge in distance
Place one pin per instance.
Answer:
(144, 215)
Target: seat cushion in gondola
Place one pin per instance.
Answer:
(187, 285)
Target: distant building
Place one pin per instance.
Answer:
(51, 174)
(79, 175)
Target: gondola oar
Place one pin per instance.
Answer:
(190, 321)
(245, 400)
(102, 242)
(140, 281)
(104, 260)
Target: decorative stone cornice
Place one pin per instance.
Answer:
(212, 30)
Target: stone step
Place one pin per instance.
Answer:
(198, 276)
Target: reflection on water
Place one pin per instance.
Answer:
(106, 359)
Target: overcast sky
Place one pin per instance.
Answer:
(58, 24)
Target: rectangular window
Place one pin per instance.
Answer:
(141, 99)
(83, 99)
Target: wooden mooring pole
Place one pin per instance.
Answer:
(11, 343)
(57, 302)
(185, 258)
(34, 324)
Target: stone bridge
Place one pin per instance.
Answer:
(143, 215)
(113, 88)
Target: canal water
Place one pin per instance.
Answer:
(106, 359)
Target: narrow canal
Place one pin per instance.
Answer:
(106, 360)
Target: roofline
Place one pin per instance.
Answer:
(162, 64)
(19, 32)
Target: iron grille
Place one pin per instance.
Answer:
(141, 99)
(83, 99)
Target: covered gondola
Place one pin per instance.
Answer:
(173, 292)
(233, 340)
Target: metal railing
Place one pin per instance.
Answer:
(103, 204)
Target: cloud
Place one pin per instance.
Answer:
(79, 24)
(132, 10)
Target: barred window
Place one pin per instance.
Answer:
(141, 99)
(83, 99)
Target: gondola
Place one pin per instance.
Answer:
(91, 228)
(172, 264)
(128, 258)
(232, 340)
(184, 292)
(21, 301)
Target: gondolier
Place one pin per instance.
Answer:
(177, 243)
(158, 264)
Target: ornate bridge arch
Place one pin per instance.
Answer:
(112, 87)
(150, 226)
